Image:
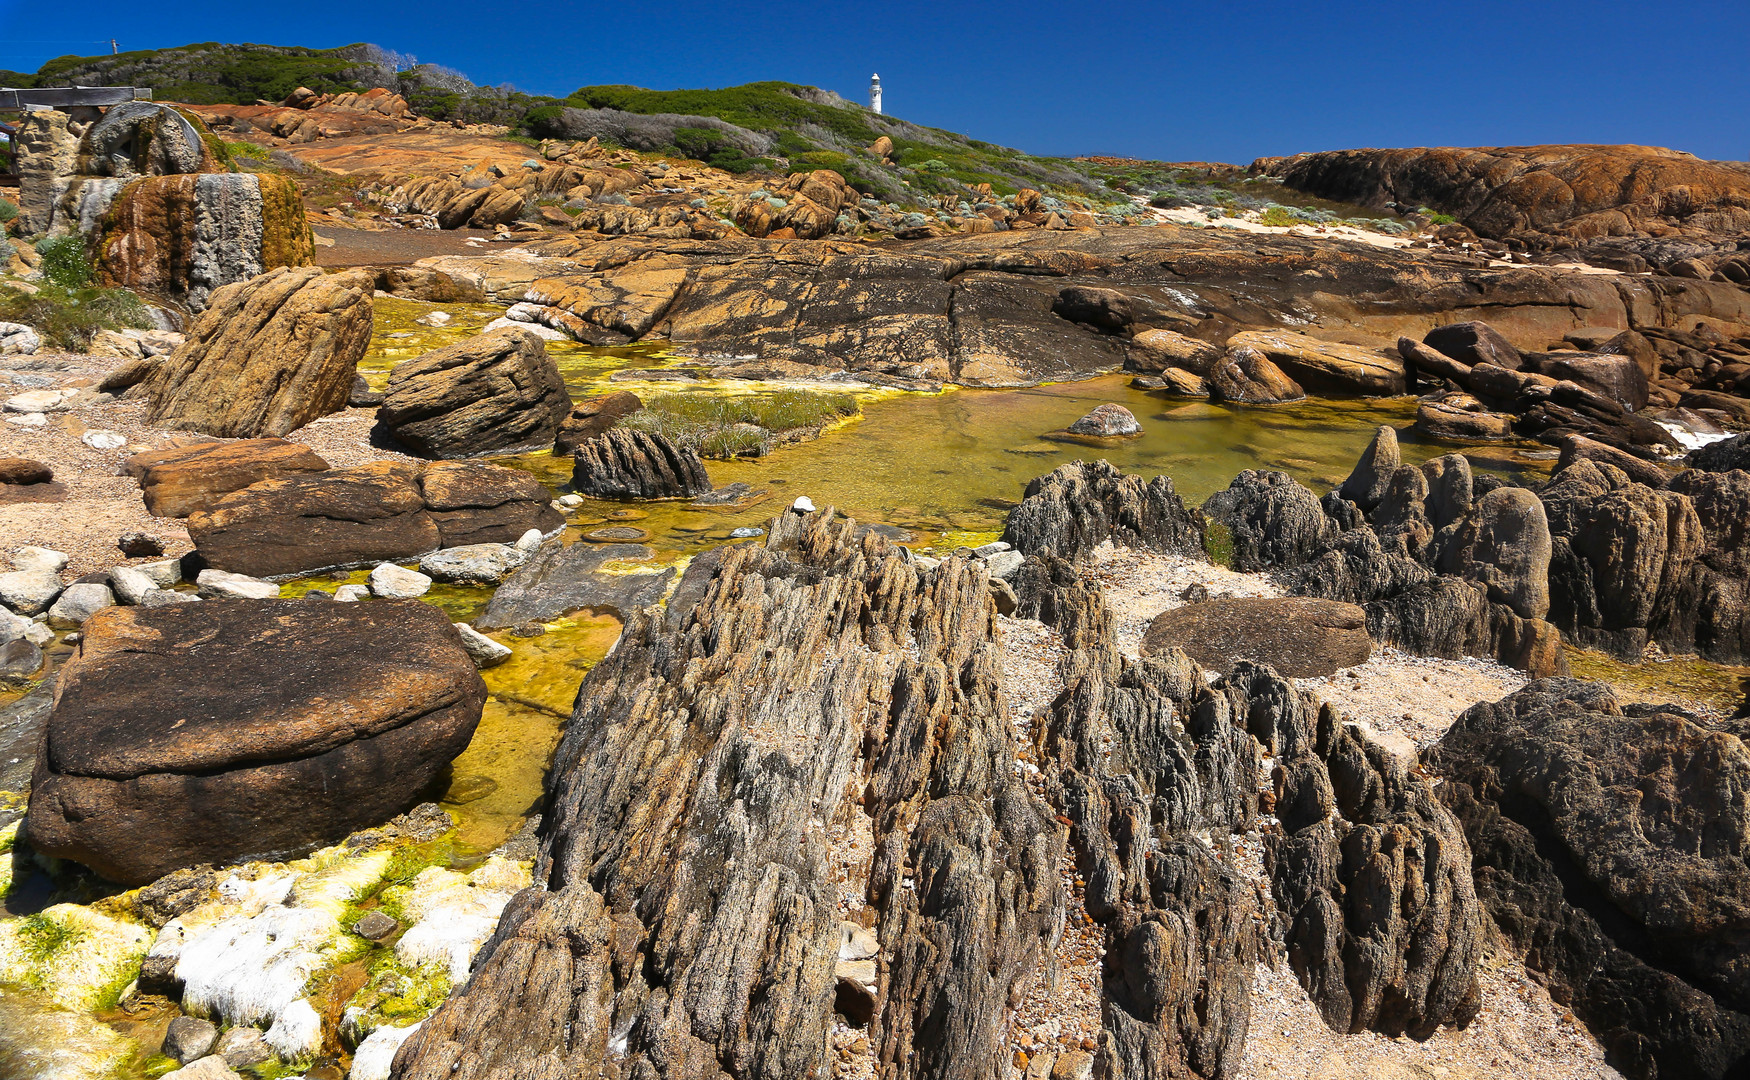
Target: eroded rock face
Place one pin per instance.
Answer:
(269, 356)
(209, 732)
(626, 464)
(473, 502)
(1076, 507)
(499, 392)
(1604, 843)
(1326, 366)
(729, 964)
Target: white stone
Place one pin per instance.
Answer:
(393, 582)
(167, 597)
(545, 333)
(29, 591)
(1003, 564)
(297, 1032)
(987, 550)
(803, 505)
(348, 594)
(218, 584)
(39, 558)
(434, 318)
(78, 603)
(34, 419)
(484, 650)
(104, 440)
(857, 943)
(373, 1057)
(211, 1067)
(13, 627)
(132, 582)
(570, 502)
(529, 541)
(472, 564)
(453, 914)
(38, 401)
(17, 339)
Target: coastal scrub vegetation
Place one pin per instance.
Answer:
(69, 318)
(727, 426)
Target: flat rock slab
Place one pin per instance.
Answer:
(177, 481)
(1299, 637)
(563, 578)
(228, 729)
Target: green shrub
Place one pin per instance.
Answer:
(8, 211)
(249, 150)
(1442, 219)
(69, 318)
(64, 261)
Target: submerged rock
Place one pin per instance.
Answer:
(251, 729)
(626, 464)
(563, 578)
(1107, 421)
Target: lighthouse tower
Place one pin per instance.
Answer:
(875, 93)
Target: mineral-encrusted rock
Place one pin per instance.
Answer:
(473, 502)
(498, 392)
(1504, 543)
(211, 732)
(180, 480)
(685, 876)
(591, 417)
(1599, 834)
(363, 514)
(1372, 874)
(627, 464)
(1297, 636)
(1078, 506)
(268, 356)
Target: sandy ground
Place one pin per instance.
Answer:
(1519, 1032)
(392, 247)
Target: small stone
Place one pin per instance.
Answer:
(39, 558)
(242, 1046)
(139, 545)
(485, 651)
(29, 591)
(473, 564)
(215, 584)
(189, 1038)
(211, 1067)
(38, 401)
(166, 597)
(1107, 421)
(746, 531)
(393, 582)
(1004, 564)
(857, 943)
(987, 550)
(570, 502)
(375, 926)
(34, 419)
(78, 603)
(104, 440)
(132, 583)
(348, 594)
(803, 505)
(20, 659)
(318, 594)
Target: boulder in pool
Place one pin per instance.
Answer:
(1107, 421)
(1246, 376)
(1299, 637)
(229, 730)
(628, 464)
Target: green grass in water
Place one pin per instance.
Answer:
(722, 427)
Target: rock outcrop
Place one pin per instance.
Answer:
(499, 392)
(626, 464)
(1076, 507)
(268, 356)
(1326, 366)
(1604, 844)
(217, 731)
(687, 877)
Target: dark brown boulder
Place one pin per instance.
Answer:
(498, 392)
(591, 417)
(476, 503)
(1247, 377)
(1106, 310)
(626, 464)
(180, 480)
(1461, 418)
(1473, 343)
(1640, 470)
(344, 517)
(1300, 637)
(225, 730)
(23, 471)
(1368, 481)
(1424, 364)
(1722, 456)
(1598, 834)
(1617, 378)
(23, 480)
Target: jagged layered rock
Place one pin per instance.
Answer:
(180, 480)
(211, 732)
(268, 356)
(626, 464)
(1604, 844)
(498, 392)
(1370, 871)
(1076, 507)
(684, 919)
(366, 514)
(591, 417)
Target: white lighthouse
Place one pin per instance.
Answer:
(875, 93)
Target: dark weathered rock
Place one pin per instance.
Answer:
(180, 480)
(210, 732)
(1504, 543)
(1618, 378)
(364, 514)
(1372, 474)
(1372, 874)
(498, 392)
(591, 417)
(23, 471)
(1297, 636)
(1580, 448)
(685, 876)
(1265, 520)
(1247, 377)
(1462, 418)
(1076, 507)
(1474, 343)
(563, 578)
(477, 503)
(1598, 833)
(626, 464)
(1722, 456)
(1107, 421)
(268, 356)
(1425, 364)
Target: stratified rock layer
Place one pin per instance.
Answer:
(499, 391)
(625, 464)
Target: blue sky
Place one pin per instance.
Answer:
(1174, 81)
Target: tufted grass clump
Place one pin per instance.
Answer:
(69, 317)
(723, 426)
(42, 937)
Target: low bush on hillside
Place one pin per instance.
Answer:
(68, 318)
(723, 426)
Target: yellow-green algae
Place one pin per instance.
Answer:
(1678, 680)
